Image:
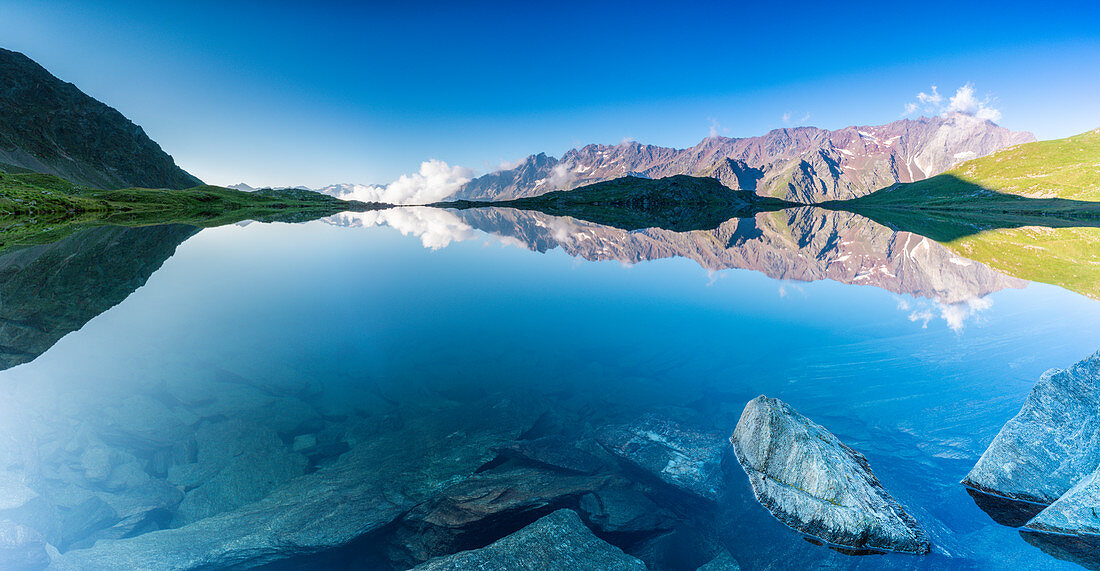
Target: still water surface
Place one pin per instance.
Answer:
(394, 315)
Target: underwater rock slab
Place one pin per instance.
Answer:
(811, 481)
(1077, 512)
(1051, 444)
(724, 562)
(21, 547)
(557, 541)
(683, 457)
(487, 506)
(364, 490)
(618, 510)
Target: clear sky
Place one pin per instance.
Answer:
(314, 93)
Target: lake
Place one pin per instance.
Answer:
(362, 391)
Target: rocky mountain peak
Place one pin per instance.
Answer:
(802, 164)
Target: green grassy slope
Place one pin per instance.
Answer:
(39, 208)
(1031, 211)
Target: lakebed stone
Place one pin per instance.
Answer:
(361, 492)
(557, 541)
(1051, 444)
(811, 481)
(490, 505)
(21, 547)
(686, 458)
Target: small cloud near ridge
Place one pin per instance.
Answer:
(965, 101)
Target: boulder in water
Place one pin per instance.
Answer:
(1052, 444)
(811, 481)
(684, 457)
(557, 541)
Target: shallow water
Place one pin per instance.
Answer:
(399, 313)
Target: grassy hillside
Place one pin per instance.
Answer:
(1062, 175)
(39, 208)
(1031, 211)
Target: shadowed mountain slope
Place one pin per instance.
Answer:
(50, 126)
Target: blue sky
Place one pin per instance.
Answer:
(316, 93)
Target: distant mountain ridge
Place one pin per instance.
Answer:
(50, 126)
(801, 164)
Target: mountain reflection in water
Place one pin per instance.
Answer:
(313, 395)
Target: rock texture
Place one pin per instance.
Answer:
(814, 483)
(50, 126)
(557, 541)
(803, 164)
(361, 492)
(686, 458)
(1052, 444)
(1077, 512)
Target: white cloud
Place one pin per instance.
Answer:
(434, 181)
(955, 315)
(933, 98)
(923, 316)
(965, 101)
(435, 227)
(561, 176)
(716, 129)
(788, 118)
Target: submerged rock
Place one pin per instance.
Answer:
(21, 547)
(724, 562)
(557, 541)
(811, 481)
(685, 458)
(624, 511)
(555, 452)
(488, 506)
(1051, 444)
(363, 491)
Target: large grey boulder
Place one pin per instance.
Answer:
(363, 491)
(557, 541)
(1077, 512)
(814, 483)
(1051, 444)
(684, 457)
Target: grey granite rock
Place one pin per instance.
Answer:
(555, 452)
(683, 457)
(619, 510)
(1051, 444)
(363, 491)
(21, 548)
(814, 483)
(492, 504)
(245, 479)
(557, 541)
(724, 562)
(1077, 512)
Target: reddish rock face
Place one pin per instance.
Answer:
(803, 164)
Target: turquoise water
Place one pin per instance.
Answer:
(352, 320)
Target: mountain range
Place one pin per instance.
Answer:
(801, 164)
(49, 126)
